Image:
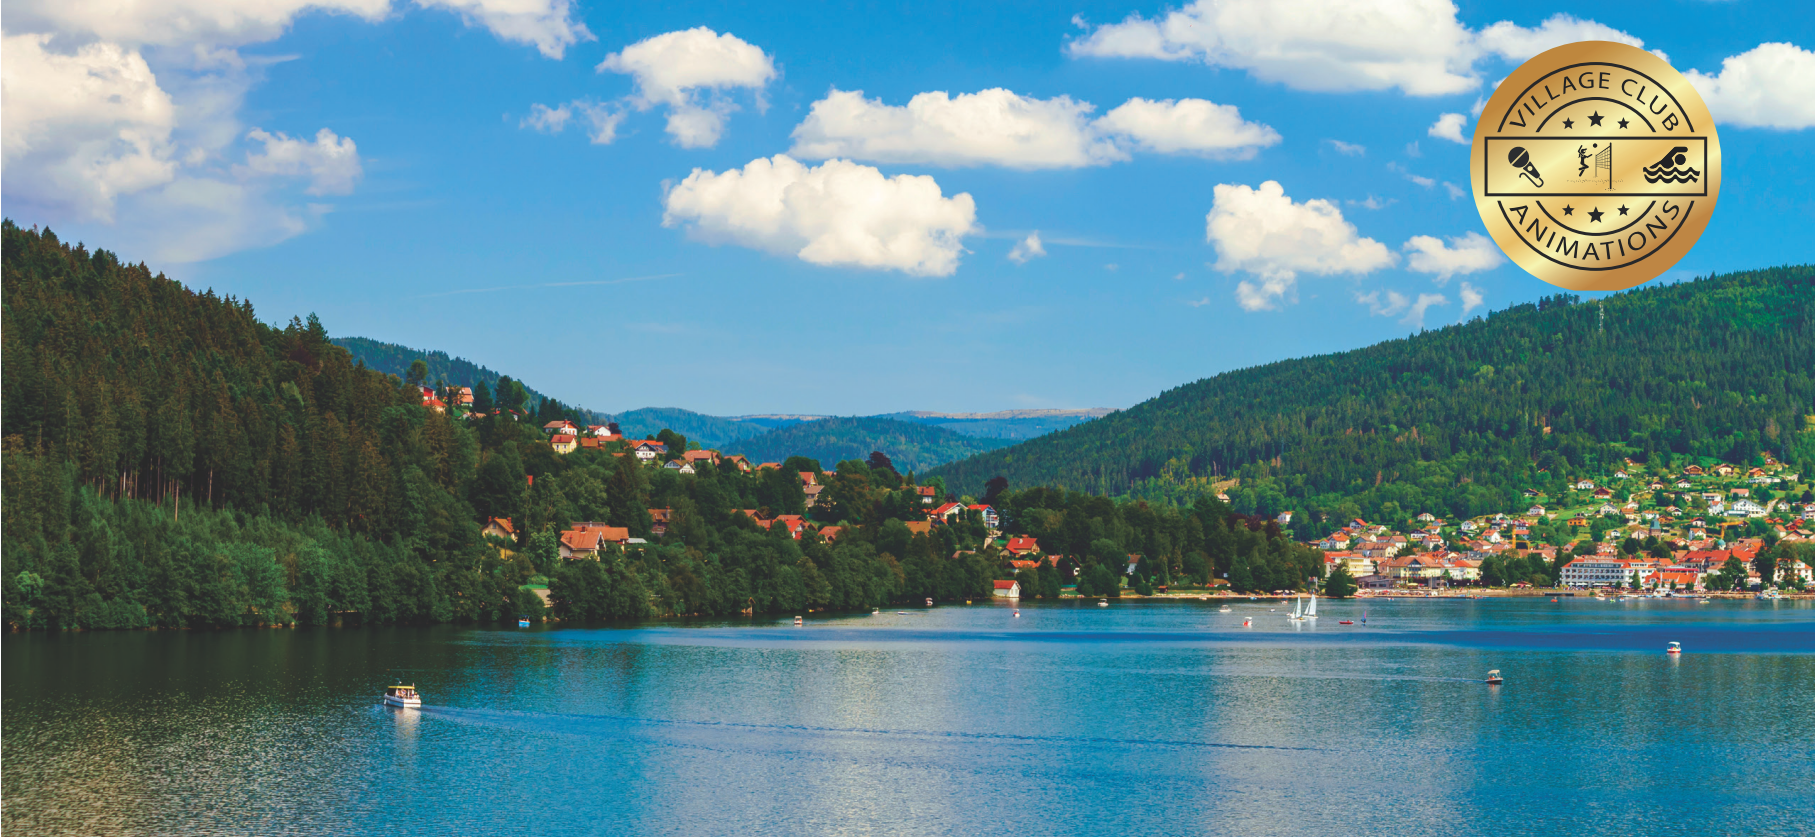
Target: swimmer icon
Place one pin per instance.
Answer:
(1522, 160)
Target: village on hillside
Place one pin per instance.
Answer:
(1698, 529)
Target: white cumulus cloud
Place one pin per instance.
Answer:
(690, 73)
(1449, 127)
(1416, 46)
(1027, 249)
(1517, 43)
(1384, 303)
(1000, 127)
(1464, 254)
(1264, 233)
(1414, 315)
(990, 127)
(601, 119)
(548, 25)
(1472, 298)
(1770, 86)
(331, 163)
(1186, 126)
(81, 128)
(837, 213)
(126, 113)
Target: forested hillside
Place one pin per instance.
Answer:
(1458, 420)
(171, 461)
(393, 359)
(1014, 425)
(912, 447)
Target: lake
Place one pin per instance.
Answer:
(1071, 719)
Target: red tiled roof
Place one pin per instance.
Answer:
(1019, 545)
(1006, 585)
(563, 439)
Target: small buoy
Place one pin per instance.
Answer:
(1247, 622)
(1017, 614)
(1553, 599)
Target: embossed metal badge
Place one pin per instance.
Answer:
(1595, 166)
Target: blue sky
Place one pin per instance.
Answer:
(395, 168)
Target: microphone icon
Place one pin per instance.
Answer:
(1522, 160)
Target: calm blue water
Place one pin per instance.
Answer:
(1154, 718)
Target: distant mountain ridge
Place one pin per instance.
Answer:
(714, 431)
(910, 446)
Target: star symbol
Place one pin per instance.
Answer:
(1622, 123)
(1569, 210)
(1595, 118)
(1595, 215)
(1622, 210)
(1569, 123)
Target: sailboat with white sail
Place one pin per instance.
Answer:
(1311, 612)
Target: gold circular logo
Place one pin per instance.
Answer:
(1595, 166)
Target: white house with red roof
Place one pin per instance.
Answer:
(947, 511)
(1009, 589)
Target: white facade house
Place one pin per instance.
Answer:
(1595, 571)
(1007, 590)
(1747, 508)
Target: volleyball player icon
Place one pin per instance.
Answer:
(1582, 159)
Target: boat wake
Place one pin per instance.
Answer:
(618, 725)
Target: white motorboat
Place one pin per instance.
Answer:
(1223, 609)
(402, 697)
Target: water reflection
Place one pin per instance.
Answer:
(1072, 720)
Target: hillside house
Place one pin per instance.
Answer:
(658, 521)
(499, 527)
(991, 520)
(585, 540)
(830, 533)
(1022, 546)
(812, 493)
(740, 462)
(555, 428)
(927, 494)
(1007, 590)
(919, 527)
(701, 457)
(1723, 470)
(1694, 471)
(794, 523)
(1584, 485)
(564, 443)
(680, 465)
(648, 451)
(947, 512)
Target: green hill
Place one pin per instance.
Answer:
(394, 359)
(709, 431)
(1458, 420)
(912, 447)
